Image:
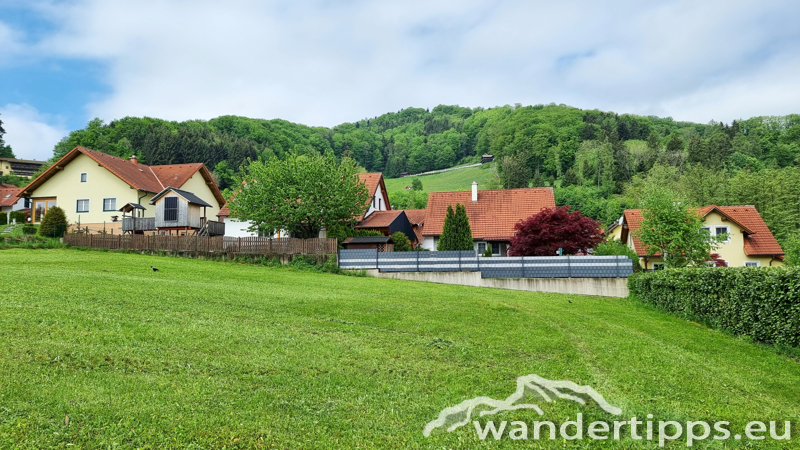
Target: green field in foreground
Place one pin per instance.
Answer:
(207, 354)
(455, 180)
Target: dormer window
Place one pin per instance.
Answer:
(84, 176)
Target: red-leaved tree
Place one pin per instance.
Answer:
(544, 233)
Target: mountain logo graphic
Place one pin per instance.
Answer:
(529, 385)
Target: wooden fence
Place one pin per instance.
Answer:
(205, 244)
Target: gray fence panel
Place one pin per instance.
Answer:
(358, 259)
(490, 267)
(398, 261)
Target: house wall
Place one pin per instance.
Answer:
(197, 186)
(67, 188)
(731, 251)
(378, 202)
(237, 228)
(430, 242)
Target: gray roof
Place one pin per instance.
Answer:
(369, 240)
(190, 197)
(131, 206)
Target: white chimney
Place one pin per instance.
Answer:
(474, 191)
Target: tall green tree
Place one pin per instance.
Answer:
(300, 194)
(514, 172)
(456, 232)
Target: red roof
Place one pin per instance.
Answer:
(379, 219)
(416, 216)
(493, 215)
(372, 181)
(758, 239)
(224, 212)
(139, 176)
(9, 196)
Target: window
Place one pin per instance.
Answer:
(752, 264)
(83, 205)
(495, 248)
(83, 177)
(481, 247)
(723, 230)
(40, 207)
(171, 209)
(658, 266)
(109, 204)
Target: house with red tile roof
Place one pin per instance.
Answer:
(91, 186)
(10, 200)
(749, 242)
(492, 214)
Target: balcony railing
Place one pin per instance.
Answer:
(138, 223)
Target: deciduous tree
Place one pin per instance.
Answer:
(544, 233)
(301, 194)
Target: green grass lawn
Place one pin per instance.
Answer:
(455, 180)
(209, 355)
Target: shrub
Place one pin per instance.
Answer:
(617, 247)
(401, 243)
(762, 303)
(19, 216)
(54, 223)
(488, 252)
(3, 218)
(29, 229)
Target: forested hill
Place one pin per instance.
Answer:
(603, 149)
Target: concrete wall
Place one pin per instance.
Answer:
(604, 287)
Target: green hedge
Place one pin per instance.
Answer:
(762, 303)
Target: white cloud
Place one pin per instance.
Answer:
(323, 63)
(30, 133)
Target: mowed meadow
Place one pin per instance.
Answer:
(98, 351)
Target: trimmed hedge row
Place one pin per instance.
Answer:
(762, 303)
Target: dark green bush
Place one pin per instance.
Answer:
(29, 229)
(3, 218)
(54, 223)
(401, 243)
(762, 303)
(19, 216)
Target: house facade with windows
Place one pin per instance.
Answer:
(20, 167)
(91, 187)
(492, 214)
(748, 241)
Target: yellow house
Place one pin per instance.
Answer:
(749, 242)
(91, 187)
(19, 167)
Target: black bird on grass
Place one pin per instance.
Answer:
(154, 269)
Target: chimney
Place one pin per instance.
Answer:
(134, 160)
(474, 191)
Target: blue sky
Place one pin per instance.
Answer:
(327, 62)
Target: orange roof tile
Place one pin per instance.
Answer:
(224, 212)
(758, 239)
(9, 196)
(380, 219)
(139, 176)
(493, 215)
(761, 241)
(416, 216)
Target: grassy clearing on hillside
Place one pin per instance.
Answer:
(205, 354)
(455, 180)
